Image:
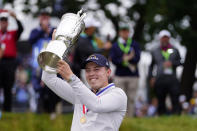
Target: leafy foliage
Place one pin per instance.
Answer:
(172, 15)
(148, 16)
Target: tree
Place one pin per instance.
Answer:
(180, 18)
(149, 16)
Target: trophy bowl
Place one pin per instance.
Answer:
(68, 31)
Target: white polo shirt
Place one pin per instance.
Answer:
(103, 111)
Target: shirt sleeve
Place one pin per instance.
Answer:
(35, 35)
(150, 70)
(59, 86)
(136, 58)
(20, 29)
(114, 101)
(116, 55)
(177, 60)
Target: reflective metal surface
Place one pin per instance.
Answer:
(48, 60)
(68, 31)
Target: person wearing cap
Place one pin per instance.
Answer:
(87, 44)
(125, 55)
(39, 38)
(8, 54)
(101, 107)
(166, 58)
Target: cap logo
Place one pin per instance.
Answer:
(92, 57)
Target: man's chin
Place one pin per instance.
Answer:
(94, 86)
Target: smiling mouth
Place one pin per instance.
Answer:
(92, 80)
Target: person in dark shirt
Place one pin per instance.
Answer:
(166, 58)
(125, 55)
(39, 39)
(8, 54)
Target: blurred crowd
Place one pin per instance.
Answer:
(20, 75)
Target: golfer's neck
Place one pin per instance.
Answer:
(95, 90)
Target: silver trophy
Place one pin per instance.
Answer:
(68, 31)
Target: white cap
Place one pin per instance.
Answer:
(182, 98)
(4, 14)
(91, 22)
(163, 33)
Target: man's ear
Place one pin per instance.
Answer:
(109, 72)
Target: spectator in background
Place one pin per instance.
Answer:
(8, 54)
(87, 44)
(39, 38)
(21, 87)
(141, 107)
(125, 54)
(166, 58)
(193, 103)
(23, 90)
(152, 107)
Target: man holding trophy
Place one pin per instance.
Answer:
(101, 108)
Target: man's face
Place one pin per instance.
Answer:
(44, 18)
(124, 34)
(3, 25)
(90, 30)
(164, 41)
(97, 76)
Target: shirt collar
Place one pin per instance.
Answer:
(104, 87)
(166, 47)
(121, 40)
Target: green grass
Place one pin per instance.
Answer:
(42, 122)
(164, 123)
(34, 122)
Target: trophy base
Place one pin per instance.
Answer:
(48, 61)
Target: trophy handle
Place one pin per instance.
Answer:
(64, 57)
